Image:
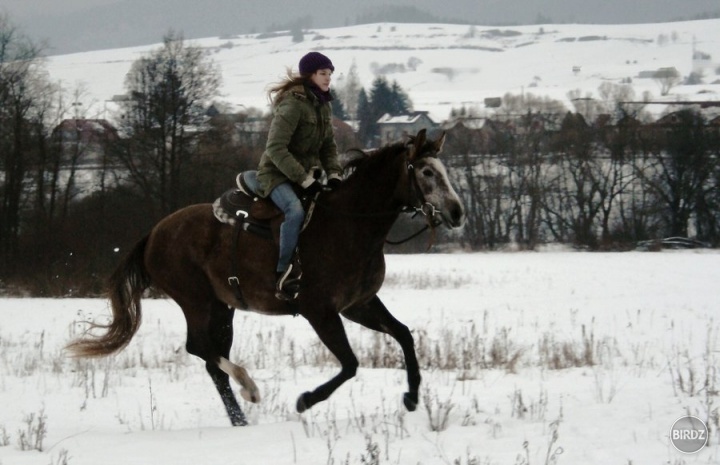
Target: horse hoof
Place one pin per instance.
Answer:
(253, 397)
(302, 405)
(239, 420)
(410, 401)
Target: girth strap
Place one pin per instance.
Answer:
(241, 224)
(234, 280)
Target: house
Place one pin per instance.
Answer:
(344, 135)
(398, 127)
(85, 130)
(714, 126)
(471, 135)
(493, 102)
(84, 141)
(242, 128)
(666, 72)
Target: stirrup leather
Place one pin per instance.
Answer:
(288, 284)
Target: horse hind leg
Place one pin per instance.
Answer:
(375, 315)
(222, 383)
(210, 335)
(249, 391)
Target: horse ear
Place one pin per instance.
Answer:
(440, 142)
(417, 142)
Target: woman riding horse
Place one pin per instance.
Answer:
(341, 249)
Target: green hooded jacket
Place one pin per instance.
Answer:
(300, 142)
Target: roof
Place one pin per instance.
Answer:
(470, 123)
(89, 129)
(410, 118)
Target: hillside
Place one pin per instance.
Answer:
(441, 66)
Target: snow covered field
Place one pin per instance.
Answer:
(527, 358)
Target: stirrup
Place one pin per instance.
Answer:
(288, 285)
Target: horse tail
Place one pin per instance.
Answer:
(125, 288)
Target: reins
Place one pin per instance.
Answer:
(427, 209)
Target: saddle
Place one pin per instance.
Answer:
(241, 207)
(246, 211)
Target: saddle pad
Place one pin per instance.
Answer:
(234, 203)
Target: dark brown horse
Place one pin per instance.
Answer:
(189, 256)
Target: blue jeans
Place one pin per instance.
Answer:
(285, 198)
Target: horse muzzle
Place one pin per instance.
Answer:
(453, 216)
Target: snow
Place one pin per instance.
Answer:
(650, 318)
(504, 338)
(444, 68)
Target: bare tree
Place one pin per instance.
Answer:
(481, 182)
(526, 164)
(667, 78)
(20, 69)
(585, 105)
(611, 94)
(678, 168)
(168, 93)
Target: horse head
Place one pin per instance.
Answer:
(431, 191)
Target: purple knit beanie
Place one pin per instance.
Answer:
(314, 61)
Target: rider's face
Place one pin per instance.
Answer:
(321, 78)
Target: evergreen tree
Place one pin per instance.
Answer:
(389, 98)
(384, 98)
(366, 123)
(381, 98)
(297, 34)
(338, 109)
(401, 103)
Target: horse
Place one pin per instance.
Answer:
(189, 256)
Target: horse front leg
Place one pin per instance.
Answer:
(330, 329)
(375, 315)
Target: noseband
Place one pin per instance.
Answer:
(422, 206)
(417, 205)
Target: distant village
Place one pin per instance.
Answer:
(487, 132)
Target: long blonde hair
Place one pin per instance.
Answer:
(277, 91)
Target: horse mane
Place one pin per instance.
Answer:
(366, 160)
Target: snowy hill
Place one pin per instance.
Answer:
(441, 66)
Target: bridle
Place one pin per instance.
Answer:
(425, 208)
(421, 207)
(417, 205)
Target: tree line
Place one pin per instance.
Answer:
(73, 200)
(556, 178)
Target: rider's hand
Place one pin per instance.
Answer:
(313, 189)
(333, 183)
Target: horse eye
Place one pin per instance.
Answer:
(428, 173)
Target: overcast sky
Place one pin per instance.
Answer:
(78, 25)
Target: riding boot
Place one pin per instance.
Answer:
(288, 284)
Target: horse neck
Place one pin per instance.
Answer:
(372, 200)
(382, 188)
